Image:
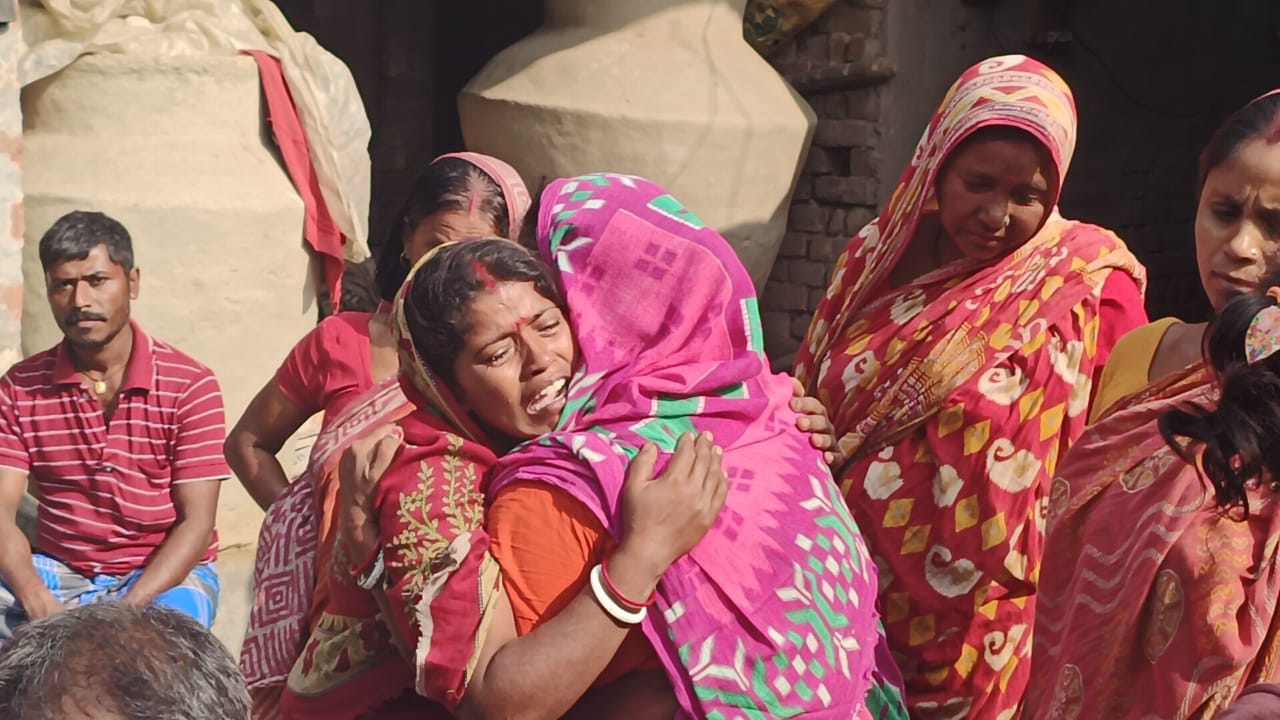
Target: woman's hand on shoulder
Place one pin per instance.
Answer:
(360, 468)
(663, 517)
(814, 421)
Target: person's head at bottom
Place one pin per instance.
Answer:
(113, 661)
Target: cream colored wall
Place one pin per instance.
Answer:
(175, 150)
(10, 195)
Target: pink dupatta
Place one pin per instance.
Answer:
(772, 614)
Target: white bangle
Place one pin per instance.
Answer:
(611, 606)
(369, 579)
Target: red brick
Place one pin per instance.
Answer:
(807, 217)
(793, 67)
(827, 248)
(844, 133)
(847, 190)
(815, 47)
(785, 296)
(794, 245)
(824, 161)
(804, 188)
(855, 50)
(782, 349)
(838, 46)
(828, 106)
(835, 224)
(808, 273)
(854, 20)
(800, 326)
(856, 219)
(776, 324)
(864, 162)
(863, 104)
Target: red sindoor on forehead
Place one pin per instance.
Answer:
(482, 272)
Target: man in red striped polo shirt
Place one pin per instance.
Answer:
(120, 436)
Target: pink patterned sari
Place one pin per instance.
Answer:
(772, 614)
(1153, 604)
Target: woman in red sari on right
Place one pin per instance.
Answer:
(956, 350)
(1160, 593)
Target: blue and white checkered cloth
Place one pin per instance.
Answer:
(197, 595)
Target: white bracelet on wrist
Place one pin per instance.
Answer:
(369, 579)
(611, 606)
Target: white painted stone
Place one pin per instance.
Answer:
(665, 89)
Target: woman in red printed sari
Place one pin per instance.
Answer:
(1163, 599)
(955, 351)
(345, 368)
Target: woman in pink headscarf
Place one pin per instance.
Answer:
(345, 368)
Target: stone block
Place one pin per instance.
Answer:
(847, 190)
(844, 133)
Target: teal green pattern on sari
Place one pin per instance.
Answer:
(671, 207)
(813, 645)
(751, 319)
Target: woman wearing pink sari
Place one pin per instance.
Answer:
(955, 351)
(1163, 522)
(561, 590)
(345, 368)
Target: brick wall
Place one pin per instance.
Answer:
(837, 64)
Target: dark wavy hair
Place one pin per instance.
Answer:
(442, 289)
(1260, 118)
(1240, 438)
(447, 184)
(74, 235)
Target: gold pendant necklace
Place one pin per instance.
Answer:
(99, 384)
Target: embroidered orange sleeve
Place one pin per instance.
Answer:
(547, 543)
